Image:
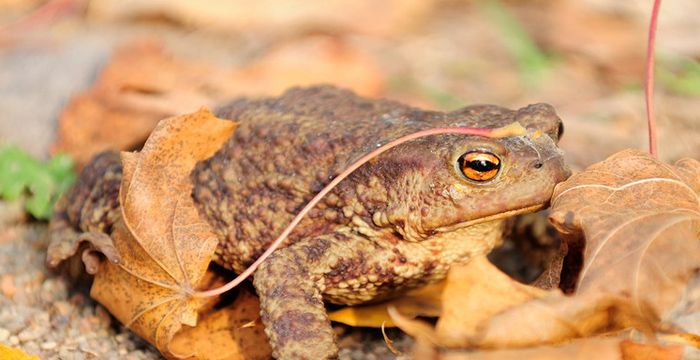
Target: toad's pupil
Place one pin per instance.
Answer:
(482, 165)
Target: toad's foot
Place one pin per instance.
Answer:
(292, 309)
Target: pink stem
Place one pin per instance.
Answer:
(245, 274)
(649, 81)
(41, 15)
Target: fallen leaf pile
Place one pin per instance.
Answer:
(143, 84)
(640, 219)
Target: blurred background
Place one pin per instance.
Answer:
(79, 76)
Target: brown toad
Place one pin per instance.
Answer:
(397, 223)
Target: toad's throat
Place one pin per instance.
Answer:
(501, 215)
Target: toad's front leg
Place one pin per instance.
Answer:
(344, 268)
(292, 306)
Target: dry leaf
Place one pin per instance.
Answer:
(142, 84)
(165, 247)
(424, 301)
(581, 349)
(10, 353)
(683, 338)
(636, 351)
(309, 61)
(225, 331)
(364, 16)
(641, 221)
(474, 293)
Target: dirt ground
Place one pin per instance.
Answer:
(584, 57)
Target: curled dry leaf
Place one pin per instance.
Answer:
(474, 293)
(165, 247)
(641, 221)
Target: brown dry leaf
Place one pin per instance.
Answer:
(311, 60)
(635, 351)
(165, 247)
(425, 301)
(641, 221)
(683, 338)
(475, 292)
(143, 84)
(140, 85)
(480, 303)
(226, 331)
(555, 318)
(581, 349)
(365, 16)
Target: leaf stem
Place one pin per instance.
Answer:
(649, 80)
(510, 130)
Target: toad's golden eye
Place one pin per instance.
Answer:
(479, 165)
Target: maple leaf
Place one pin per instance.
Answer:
(641, 221)
(165, 247)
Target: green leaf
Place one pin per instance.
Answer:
(40, 183)
(680, 76)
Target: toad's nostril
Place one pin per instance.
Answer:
(537, 165)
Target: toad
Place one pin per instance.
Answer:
(396, 223)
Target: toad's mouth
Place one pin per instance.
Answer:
(502, 215)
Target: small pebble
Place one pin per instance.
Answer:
(29, 334)
(7, 286)
(49, 345)
(4, 334)
(13, 340)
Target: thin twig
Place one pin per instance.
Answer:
(42, 15)
(649, 81)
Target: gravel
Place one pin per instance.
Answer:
(42, 315)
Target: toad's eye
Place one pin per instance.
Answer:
(479, 165)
